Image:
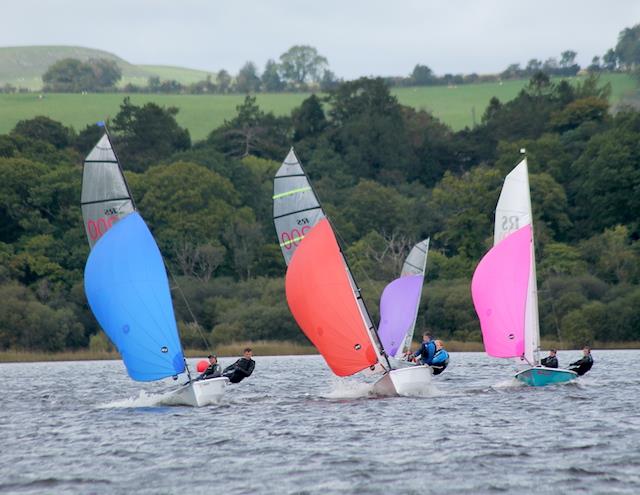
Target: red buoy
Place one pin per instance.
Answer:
(202, 365)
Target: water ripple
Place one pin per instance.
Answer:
(293, 428)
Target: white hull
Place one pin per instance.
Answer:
(200, 393)
(414, 380)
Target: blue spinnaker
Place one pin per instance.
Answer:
(127, 288)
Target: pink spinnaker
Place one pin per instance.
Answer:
(499, 292)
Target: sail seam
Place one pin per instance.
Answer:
(297, 211)
(292, 175)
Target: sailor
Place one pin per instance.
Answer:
(427, 349)
(440, 359)
(584, 364)
(214, 370)
(551, 361)
(242, 368)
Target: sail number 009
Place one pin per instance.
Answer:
(293, 237)
(98, 227)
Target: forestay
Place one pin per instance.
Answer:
(512, 213)
(400, 302)
(105, 194)
(128, 291)
(295, 206)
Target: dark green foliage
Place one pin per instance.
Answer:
(252, 132)
(70, 75)
(44, 129)
(147, 135)
(387, 176)
(248, 80)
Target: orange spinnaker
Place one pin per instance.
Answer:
(323, 303)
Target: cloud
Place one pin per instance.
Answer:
(358, 37)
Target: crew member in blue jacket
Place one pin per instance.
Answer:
(427, 349)
(440, 359)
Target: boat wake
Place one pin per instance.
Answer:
(506, 384)
(352, 389)
(144, 399)
(349, 389)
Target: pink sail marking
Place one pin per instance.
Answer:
(499, 292)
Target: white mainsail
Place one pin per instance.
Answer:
(512, 213)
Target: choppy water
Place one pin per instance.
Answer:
(84, 427)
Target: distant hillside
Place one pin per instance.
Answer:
(23, 66)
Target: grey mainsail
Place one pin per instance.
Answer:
(105, 194)
(295, 206)
(416, 261)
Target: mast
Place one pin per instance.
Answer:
(534, 338)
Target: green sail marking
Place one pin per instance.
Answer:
(293, 191)
(291, 241)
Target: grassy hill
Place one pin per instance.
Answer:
(202, 113)
(23, 66)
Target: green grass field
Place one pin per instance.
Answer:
(203, 113)
(23, 66)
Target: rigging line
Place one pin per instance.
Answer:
(383, 351)
(186, 303)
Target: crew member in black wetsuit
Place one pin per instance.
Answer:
(214, 370)
(581, 366)
(551, 361)
(242, 368)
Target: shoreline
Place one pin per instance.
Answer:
(271, 348)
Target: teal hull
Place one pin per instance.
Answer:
(541, 376)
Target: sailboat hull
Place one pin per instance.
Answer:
(200, 393)
(414, 380)
(541, 376)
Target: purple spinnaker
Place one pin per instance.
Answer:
(398, 306)
(499, 292)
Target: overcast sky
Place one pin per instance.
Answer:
(369, 37)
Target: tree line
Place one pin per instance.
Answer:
(303, 68)
(388, 175)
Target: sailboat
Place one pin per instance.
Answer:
(399, 305)
(322, 294)
(504, 287)
(126, 282)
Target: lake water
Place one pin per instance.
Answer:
(84, 427)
